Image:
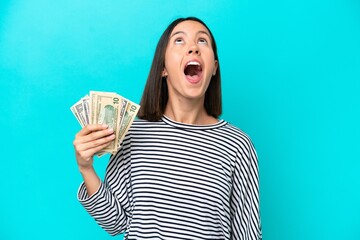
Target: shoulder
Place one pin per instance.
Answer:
(141, 127)
(236, 134)
(141, 124)
(238, 140)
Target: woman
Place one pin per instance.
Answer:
(181, 173)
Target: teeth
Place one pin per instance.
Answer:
(192, 63)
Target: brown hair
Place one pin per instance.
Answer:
(155, 95)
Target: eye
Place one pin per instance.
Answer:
(179, 41)
(202, 41)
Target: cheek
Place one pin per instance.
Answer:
(172, 62)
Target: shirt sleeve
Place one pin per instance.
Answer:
(105, 205)
(244, 202)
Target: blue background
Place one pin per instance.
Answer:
(291, 80)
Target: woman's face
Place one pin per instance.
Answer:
(189, 61)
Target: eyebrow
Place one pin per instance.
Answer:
(182, 32)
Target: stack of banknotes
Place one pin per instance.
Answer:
(106, 108)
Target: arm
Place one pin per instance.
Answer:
(93, 194)
(105, 207)
(246, 224)
(91, 139)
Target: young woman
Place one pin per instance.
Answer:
(181, 173)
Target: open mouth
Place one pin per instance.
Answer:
(193, 69)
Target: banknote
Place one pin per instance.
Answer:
(85, 102)
(107, 108)
(78, 111)
(107, 111)
(129, 115)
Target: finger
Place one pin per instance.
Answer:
(94, 143)
(99, 148)
(95, 135)
(88, 153)
(92, 128)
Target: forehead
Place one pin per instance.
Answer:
(190, 26)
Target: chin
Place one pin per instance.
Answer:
(193, 95)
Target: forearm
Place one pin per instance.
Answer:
(91, 180)
(105, 208)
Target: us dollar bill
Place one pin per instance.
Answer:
(93, 110)
(79, 112)
(129, 116)
(85, 103)
(106, 108)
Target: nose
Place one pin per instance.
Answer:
(193, 49)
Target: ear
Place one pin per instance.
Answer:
(164, 73)
(216, 64)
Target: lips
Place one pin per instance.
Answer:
(193, 71)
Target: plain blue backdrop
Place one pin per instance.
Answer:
(291, 80)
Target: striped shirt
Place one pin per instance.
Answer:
(171, 180)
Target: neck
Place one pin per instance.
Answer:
(189, 112)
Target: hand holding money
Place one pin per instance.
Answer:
(107, 108)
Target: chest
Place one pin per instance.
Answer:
(180, 173)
